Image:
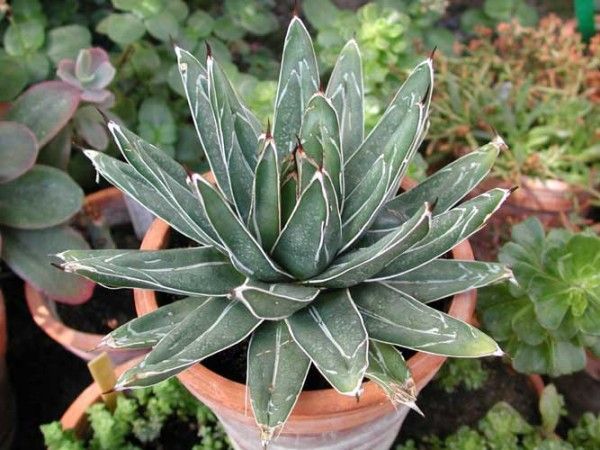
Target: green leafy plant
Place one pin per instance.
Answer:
(139, 419)
(551, 316)
(469, 373)
(36, 199)
(304, 246)
(533, 84)
(494, 12)
(503, 428)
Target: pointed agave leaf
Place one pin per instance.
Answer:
(212, 327)
(289, 191)
(390, 371)
(312, 236)
(163, 173)
(246, 254)
(195, 83)
(332, 333)
(320, 137)
(298, 81)
(240, 171)
(277, 368)
(447, 230)
(446, 187)
(360, 207)
(147, 330)
(274, 301)
(395, 318)
(265, 217)
(346, 92)
(415, 90)
(358, 265)
(193, 224)
(182, 271)
(306, 167)
(445, 277)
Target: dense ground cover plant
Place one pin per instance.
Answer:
(394, 36)
(547, 320)
(503, 428)
(536, 85)
(304, 245)
(469, 374)
(494, 12)
(138, 420)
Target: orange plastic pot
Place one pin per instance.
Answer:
(110, 204)
(322, 419)
(7, 404)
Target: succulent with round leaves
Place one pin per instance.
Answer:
(303, 245)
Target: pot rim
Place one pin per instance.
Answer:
(315, 403)
(41, 308)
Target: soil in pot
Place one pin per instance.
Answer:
(446, 412)
(581, 393)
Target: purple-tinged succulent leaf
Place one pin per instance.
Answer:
(90, 73)
(26, 253)
(45, 109)
(89, 125)
(18, 150)
(57, 152)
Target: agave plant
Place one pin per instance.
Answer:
(303, 245)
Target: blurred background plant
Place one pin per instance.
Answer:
(538, 86)
(494, 12)
(468, 374)
(549, 318)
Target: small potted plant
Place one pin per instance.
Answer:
(300, 254)
(536, 84)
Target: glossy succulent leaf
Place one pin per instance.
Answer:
(245, 252)
(446, 187)
(214, 326)
(40, 198)
(390, 371)
(265, 216)
(447, 230)
(442, 278)
(386, 133)
(356, 266)
(298, 81)
(26, 253)
(147, 330)
(274, 301)
(240, 170)
(346, 91)
(332, 333)
(393, 317)
(195, 83)
(320, 136)
(189, 222)
(312, 235)
(277, 368)
(45, 108)
(181, 271)
(18, 150)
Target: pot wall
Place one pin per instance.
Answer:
(7, 404)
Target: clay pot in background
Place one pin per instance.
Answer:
(7, 403)
(110, 204)
(322, 419)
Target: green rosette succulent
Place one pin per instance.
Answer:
(303, 246)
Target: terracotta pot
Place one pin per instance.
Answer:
(108, 202)
(550, 200)
(7, 404)
(322, 419)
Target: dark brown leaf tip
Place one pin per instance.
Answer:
(433, 204)
(296, 9)
(513, 189)
(268, 134)
(432, 54)
(59, 266)
(208, 49)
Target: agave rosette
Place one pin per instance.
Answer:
(303, 245)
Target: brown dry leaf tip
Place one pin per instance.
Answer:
(268, 134)
(433, 204)
(296, 9)
(513, 189)
(357, 395)
(113, 390)
(321, 88)
(432, 54)
(208, 50)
